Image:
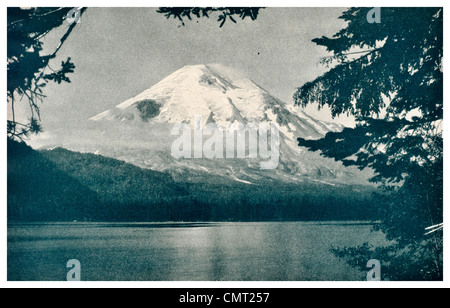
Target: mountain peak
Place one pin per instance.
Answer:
(140, 127)
(217, 93)
(203, 89)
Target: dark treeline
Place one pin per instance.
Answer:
(61, 185)
(262, 203)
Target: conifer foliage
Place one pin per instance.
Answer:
(28, 68)
(389, 76)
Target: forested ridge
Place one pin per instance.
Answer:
(61, 185)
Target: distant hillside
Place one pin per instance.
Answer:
(61, 185)
(38, 190)
(115, 181)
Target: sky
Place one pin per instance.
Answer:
(120, 52)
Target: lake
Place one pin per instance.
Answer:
(267, 251)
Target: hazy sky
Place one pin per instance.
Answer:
(119, 52)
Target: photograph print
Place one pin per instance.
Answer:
(224, 144)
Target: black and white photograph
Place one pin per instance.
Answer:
(224, 144)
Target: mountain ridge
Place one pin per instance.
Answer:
(223, 96)
(64, 186)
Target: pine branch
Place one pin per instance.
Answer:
(65, 36)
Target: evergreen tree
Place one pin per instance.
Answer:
(389, 76)
(28, 69)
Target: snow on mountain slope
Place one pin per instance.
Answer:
(223, 96)
(217, 92)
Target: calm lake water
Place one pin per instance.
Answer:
(274, 251)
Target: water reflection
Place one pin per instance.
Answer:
(186, 251)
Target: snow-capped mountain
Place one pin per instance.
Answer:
(139, 129)
(219, 93)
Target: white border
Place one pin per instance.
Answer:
(209, 284)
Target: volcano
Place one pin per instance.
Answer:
(139, 129)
